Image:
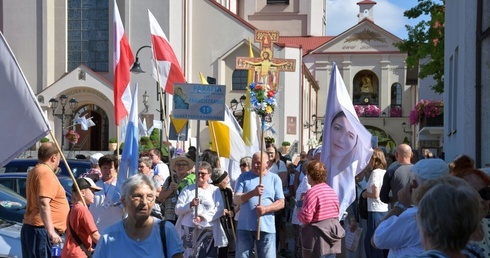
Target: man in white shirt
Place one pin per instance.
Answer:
(159, 167)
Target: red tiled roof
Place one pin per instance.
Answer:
(308, 43)
(366, 2)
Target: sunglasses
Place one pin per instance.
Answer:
(485, 193)
(243, 165)
(202, 174)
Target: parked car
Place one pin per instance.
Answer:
(17, 183)
(10, 239)
(77, 166)
(12, 205)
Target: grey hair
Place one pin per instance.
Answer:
(448, 215)
(145, 160)
(247, 160)
(134, 182)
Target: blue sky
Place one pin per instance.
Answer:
(388, 14)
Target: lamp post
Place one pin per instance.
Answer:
(238, 114)
(53, 103)
(136, 68)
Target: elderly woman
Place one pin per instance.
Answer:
(245, 164)
(202, 212)
(322, 233)
(221, 179)
(172, 188)
(138, 235)
(447, 217)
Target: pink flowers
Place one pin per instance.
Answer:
(359, 110)
(396, 111)
(372, 110)
(72, 136)
(368, 110)
(428, 108)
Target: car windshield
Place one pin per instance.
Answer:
(11, 200)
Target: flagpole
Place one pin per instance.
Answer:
(197, 195)
(260, 174)
(164, 120)
(67, 166)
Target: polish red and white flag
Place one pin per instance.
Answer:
(123, 60)
(168, 68)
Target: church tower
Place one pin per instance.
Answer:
(366, 10)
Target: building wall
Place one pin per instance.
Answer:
(459, 93)
(299, 18)
(460, 81)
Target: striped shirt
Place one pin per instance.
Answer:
(320, 203)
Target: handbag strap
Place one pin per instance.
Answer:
(163, 237)
(77, 239)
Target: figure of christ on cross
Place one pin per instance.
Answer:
(266, 68)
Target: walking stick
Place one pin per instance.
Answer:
(231, 223)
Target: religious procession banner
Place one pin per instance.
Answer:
(199, 101)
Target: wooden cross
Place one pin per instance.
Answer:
(266, 68)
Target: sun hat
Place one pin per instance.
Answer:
(85, 183)
(173, 161)
(430, 168)
(218, 175)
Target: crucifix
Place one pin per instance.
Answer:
(266, 69)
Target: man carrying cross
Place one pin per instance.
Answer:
(247, 194)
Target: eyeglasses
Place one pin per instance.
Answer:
(181, 164)
(243, 165)
(485, 193)
(202, 174)
(139, 197)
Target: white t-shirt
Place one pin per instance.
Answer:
(161, 169)
(376, 178)
(107, 208)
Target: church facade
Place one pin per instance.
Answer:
(65, 48)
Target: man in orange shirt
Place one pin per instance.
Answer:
(47, 207)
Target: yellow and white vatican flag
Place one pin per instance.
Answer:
(226, 138)
(346, 144)
(23, 121)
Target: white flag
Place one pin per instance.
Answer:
(84, 122)
(346, 149)
(23, 121)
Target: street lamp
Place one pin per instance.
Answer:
(136, 65)
(73, 104)
(136, 68)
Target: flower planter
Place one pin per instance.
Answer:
(436, 121)
(112, 146)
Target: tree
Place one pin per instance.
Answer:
(426, 42)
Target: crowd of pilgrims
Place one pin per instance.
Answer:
(405, 207)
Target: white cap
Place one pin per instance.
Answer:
(94, 158)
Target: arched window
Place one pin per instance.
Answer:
(396, 100)
(365, 88)
(396, 94)
(239, 80)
